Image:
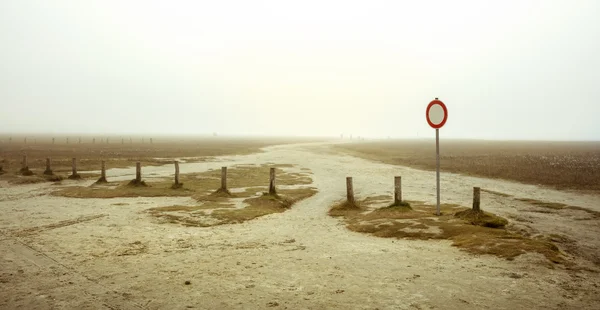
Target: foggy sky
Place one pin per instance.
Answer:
(505, 69)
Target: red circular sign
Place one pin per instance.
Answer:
(436, 114)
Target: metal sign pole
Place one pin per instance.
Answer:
(437, 159)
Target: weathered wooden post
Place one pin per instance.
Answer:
(138, 172)
(349, 190)
(397, 190)
(476, 199)
(94, 141)
(223, 178)
(272, 190)
(102, 178)
(48, 170)
(25, 140)
(52, 140)
(67, 140)
(74, 175)
(176, 184)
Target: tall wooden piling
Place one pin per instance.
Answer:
(272, 190)
(476, 199)
(397, 190)
(224, 178)
(349, 190)
(102, 178)
(138, 172)
(176, 184)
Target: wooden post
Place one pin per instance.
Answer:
(94, 141)
(397, 190)
(25, 167)
(476, 199)
(138, 172)
(67, 140)
(224, 178)
(25, 140)
(102, 178)
(103, 170)
(349, 190)
(52, 140)
(272, 190)
(176, 173)
(74, 175)
(48, 170)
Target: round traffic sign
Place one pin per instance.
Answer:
(436, 114)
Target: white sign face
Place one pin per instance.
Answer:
(436, 114)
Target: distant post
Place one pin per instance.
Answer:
(397, 190)
(24, 165)
(476, 199)
(94, 141)
(67, 140)
(272, 190)
(25, 140)
(48, 170)
(52, 140)
(349, 190)
(74, 175)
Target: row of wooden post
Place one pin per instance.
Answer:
(398, 193)
(138, 173)
(79, 140)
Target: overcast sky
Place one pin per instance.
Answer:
(505, 69)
